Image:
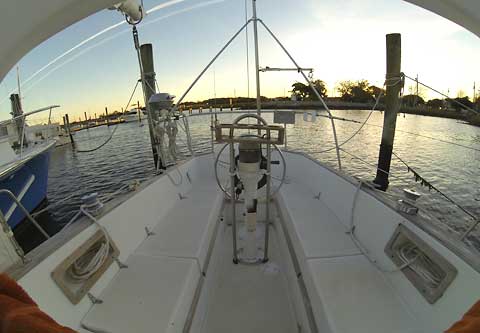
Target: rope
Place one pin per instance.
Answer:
(371, 165)
(90, 262)
(114, 130)
(398, 79)
(54, 204)
(357, 131)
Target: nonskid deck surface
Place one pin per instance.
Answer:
(249, 298)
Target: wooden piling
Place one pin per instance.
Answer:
(67, 128)
(139, 112)
(146, 55)
(106, 116)
(392, 105)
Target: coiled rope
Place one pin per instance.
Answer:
(90, 262)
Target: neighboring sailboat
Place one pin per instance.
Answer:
(24, 164)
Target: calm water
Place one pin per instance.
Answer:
(450, 168)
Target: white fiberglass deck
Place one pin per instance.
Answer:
(182, 278)
(249, 298)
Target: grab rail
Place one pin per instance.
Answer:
(25, 211)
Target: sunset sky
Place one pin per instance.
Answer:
(340, 39)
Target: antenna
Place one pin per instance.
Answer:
(257, 66)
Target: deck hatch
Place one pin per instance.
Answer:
(76, 290)
(426, 269)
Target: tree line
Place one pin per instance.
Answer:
(361, 91)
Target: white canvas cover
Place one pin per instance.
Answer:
(27, 23)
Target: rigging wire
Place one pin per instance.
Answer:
(440, 93)
(431, 138)
(397, 130)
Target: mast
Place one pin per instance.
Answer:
(257, 65)
(18, 83)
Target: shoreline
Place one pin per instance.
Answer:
(423, 111)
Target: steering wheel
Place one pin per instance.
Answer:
(261, 183)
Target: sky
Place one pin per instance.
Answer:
(340, 39)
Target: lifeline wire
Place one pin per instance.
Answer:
(426, 183)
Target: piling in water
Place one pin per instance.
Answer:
(146, 54)
(392, 105)
(67, 128)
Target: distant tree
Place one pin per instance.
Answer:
(300, 90)
(305, 92)
(357, 91)
(460, 93)
(320, 87)
(345, 90)
(435, 103)
(463, 100)
(412, 100)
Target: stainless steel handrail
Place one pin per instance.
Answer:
(8, 232)
(25, 211)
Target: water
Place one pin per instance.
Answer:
(452, 169)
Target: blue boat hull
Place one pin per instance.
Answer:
(17, 180)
